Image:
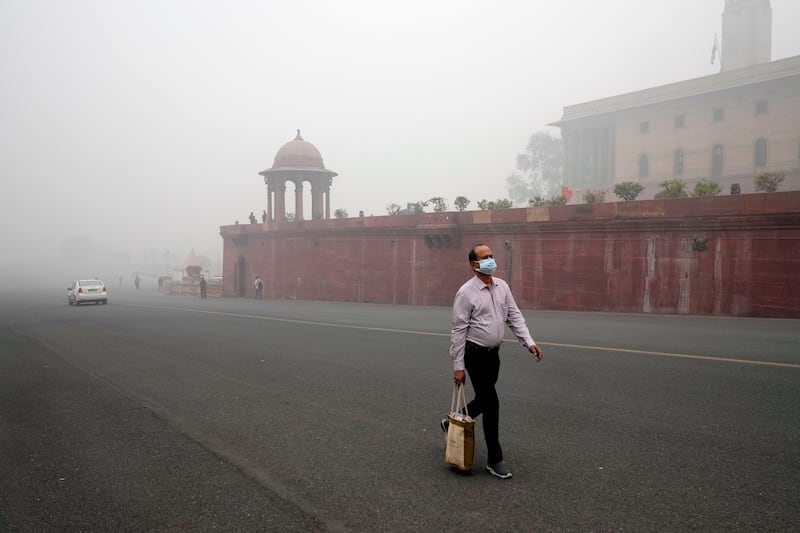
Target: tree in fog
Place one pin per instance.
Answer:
(538, 169)
(340, 213)
(439, 204)
(461, 202)
(394, 209)
(420, 205)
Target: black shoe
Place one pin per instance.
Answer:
(445, 424)
(499, 470)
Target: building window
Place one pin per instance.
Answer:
(644, 127)
(644, 166)
(719, 114)
(716, 161)
(680, 121)
(760, 153)
(677, 162)
(762, 107)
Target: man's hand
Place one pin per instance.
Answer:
(536, 351)
(459, 377)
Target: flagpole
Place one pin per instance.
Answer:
(714, 49)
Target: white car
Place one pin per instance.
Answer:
(87, 290)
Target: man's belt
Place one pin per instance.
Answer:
(478, 348)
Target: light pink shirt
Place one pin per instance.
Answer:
(480, 313)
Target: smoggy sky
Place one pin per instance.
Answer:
(143, 125)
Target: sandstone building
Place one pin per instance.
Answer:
(727, 127)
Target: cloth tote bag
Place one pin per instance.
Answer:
(460, 450)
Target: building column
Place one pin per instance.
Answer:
(316, 201)
(582, 158)
(608, 156)
(328, 201)
(568, 181)
(270, 199)
(298, 201)
(280, 201)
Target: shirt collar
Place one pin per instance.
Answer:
(480, 284)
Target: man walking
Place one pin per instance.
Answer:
(481, 309)
(259, 288)
(203, 287)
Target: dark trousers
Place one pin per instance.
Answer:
(483, 367)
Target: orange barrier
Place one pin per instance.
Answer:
(185, 288)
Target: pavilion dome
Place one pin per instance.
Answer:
(298, 154)
(192, 259)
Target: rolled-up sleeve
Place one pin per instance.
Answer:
(458, 333)
(516, 322)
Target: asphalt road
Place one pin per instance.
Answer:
(159, 413)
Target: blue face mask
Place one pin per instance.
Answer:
(487, 266)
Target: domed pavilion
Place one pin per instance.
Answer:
(298, 161)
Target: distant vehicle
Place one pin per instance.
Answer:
(87, 290)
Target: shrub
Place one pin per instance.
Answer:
(769, 181)
(539, 201)
(594, 197)
(672, 189)
(706, 187)
(628, 190)
(501, 203)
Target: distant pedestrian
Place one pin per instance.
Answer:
(259, 288)
(264, 216)
(136, 281)
(252, 218)
(160, 283)
(203, 287)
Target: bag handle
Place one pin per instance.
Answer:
(459, 398)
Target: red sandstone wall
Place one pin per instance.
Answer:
(728, 255)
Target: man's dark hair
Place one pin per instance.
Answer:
(472, 255)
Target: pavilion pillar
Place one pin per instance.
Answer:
(567, 136)
(280, 201)
(316, 201)
(270, 199)
(298, 200)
